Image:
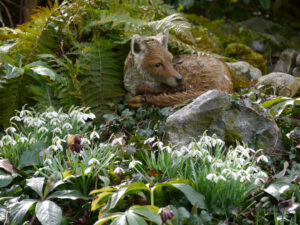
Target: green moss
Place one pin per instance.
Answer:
(244, 53)
(231, 137)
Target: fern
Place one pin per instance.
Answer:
(101, 74)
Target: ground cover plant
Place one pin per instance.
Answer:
(72, 152)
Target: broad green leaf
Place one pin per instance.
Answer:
(56, 184)
(37, 63)
(13, 71)
(19, 210)
(147, 211)
(120, 221)
(192, 195)
(68, 194)
(134, 219)
(5, 179)
(137, 186)
(48, 213)
(104, 189)
(100, 199)
(108, 217)
(115, 198)
(278, 187)
(36, 184)
(29, 158)
(44, 71)
(265, 4)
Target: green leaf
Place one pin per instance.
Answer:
(5, 179)
(36, 184)
(13, 71)
(278, 187)
(29, 158)
(265, 4)
(148, 211)
(134, 219)
(274, 101)
(108, 217)
(192, 195)
(104, 189)
(48, 213)
(68, 194)
(120, 221)
(44, 71)
(100, 199)
(19, 210)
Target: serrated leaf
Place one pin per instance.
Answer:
(5, 179)
(68, 194)
(36, 184)
(19, 210)
(48, 213)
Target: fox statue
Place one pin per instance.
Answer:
(153, 76)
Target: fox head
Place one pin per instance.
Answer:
(153, 60)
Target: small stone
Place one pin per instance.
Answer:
(296, 71)
(281, 83)
(286, 61)
(298, 60)
(242, 68)
(257, 46)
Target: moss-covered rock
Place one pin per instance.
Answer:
(244, 53)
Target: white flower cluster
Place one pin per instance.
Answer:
(220, 163)
(50, 126)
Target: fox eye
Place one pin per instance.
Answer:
(158, 65)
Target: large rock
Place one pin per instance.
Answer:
(214, 111)
(286, 62)
(296, 71)
(281, 83)
(242, 73)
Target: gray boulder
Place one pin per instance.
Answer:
(244, 69)
(298, 60)
(286, 62)
(281, 83)
(214, 112)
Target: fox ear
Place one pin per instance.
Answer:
(165, 38)
(137, 45)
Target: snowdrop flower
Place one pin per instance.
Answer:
(57, 130)
(48, 161)
(209, 158)
(234, 175)
(211, 177)
(149, 140)
(167, 148)
(93, 135)
(42, 130)
(38, 122)
(23, 139)
(54, 121)
(6, 138)
(133, 163)
(262, 158)
(67, 126)
(25, 112)
(32, 140)
(52, 147)
(119, 171)
(1, 144)
(16, 118)
(51, 115)
(10, 129)
(93, 161)
(117, 141)
(103, 145)
(63, 116)
(85, 141)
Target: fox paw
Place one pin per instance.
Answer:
(136, 101)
